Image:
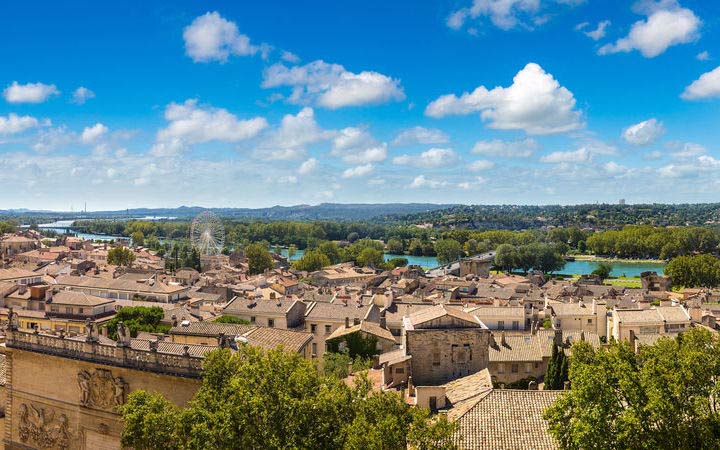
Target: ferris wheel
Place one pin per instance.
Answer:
(207, 234)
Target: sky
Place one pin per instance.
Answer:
(253, 104)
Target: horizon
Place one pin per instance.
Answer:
(245, 106)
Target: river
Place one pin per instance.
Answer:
(624, 268)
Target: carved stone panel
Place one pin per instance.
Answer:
(39, 427)
(101, 390)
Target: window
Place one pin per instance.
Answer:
(433, 403)
(528, 367)
(514, 368)
(314, 349)
(313, 328)
(271, 323)
(589, 321)
(501, 368)
(68, 310)
(501, 324)
(516, 325)
(252, 319)
(436, 358)
(328, 329)
(81, 310)
(399, 370)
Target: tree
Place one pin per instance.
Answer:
(556, 373)
(311, 261)
(352, 237)
(370, 257)
(331, 250)
(292, 250)
(505, 257)
(138, 238)
(231, 319)
(663, 397)
(448, 250)
(256, 399)
(259, 259)
(120, 256)
(694, 271)
(138, 318)
(397, 262)
(395, 246)
(603, 270)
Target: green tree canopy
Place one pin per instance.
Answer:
(120, 256)
(259, 259)
(694, 271)
(664, 397)
(448, 250)
(395, 246)
(138, 318)
(256, 399)
(603, 270)
(370, 257)
(311, 261)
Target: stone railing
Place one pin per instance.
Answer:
(184, 365)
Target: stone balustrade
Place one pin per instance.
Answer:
(179, 363)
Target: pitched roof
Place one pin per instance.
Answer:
(124, 283)
(241, 305)
(271, 338)
(507, 420)
(673, 313)
(645, 316)
(439, 311)
(206, 328)
(366, 327)
(78, 299)
(338, 311)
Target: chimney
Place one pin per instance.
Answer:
(594, 307)
(104, 331)
(411, 388)
(356, 321)
(558, 337)
(347, 322)
(582, 335)
(383, 321)
(502, 339)
(566, 386)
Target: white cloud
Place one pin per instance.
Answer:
(287, 179)
(355, 146)
(29, 93)
(52, 138)
(420, 181)
(295, 133)
(654, 155)
(210, 37)
(475, 182)
(190, 123)
(506, 14)
(308, 166)
(535, 102)
(358, 171)
(580, 155)
(596, 34)
(81, 95)
(290, 57)
(506, 149)
(613, 168)
(14, 124)
(420, 135)
(707, 86)
(429, 159)
(481, 164)
(667, 24)
(331, 86)
(686, 150)
(703, 56)
(91, 135)
(643, 133)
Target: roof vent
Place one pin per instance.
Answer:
(185, 323)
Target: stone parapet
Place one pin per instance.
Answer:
(177, 361)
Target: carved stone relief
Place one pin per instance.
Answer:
(100, 390)
(39, 426)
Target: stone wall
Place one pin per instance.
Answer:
(59, 402)
(441, 355)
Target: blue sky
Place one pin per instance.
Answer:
(252, 104)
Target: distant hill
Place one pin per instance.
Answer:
(323, 211)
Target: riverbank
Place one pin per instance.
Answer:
(593, 258)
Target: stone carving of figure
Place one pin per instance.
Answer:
(84, 383)
(119, 391)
